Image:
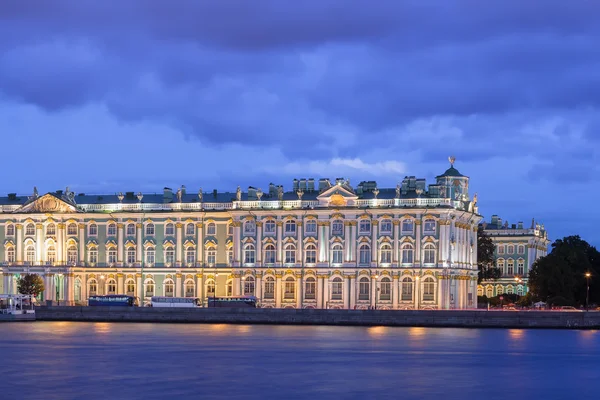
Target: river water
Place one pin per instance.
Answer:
(81, 360)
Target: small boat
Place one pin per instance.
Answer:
(17, 307)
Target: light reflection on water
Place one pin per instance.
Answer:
(69, 360)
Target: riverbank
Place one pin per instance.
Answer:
(438, 318)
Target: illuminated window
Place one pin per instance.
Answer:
(150, 256)
(249, 286)
(289, 288)
(169, 255)
(169, 229)
(364, 227)
(311, 254)
(385, 227)
(270, 254)
(93, 256)
(364, 288)
(310, 288)
(385, 254)
(93, 230)
(211, 229)
(72, 229)
(30, 254)
(51, 255)
(428, 289)
(130, 230)
(336, 288)
(429, 254)
(111, 286)
(290, 227)
(337, 254)
(72, 255)
(10, 230)
(190, 288)
(407, 253)
(385, 289)
(130, 287)
(190, 256)
(290, 253)
(270, 226)
(269, 288)
(150, 230)
(337, 227)
(149, 288)
(112, 229)
(111, 256)
(211, 256)
(407, 289)
(131, 255)
(30, 229)
(190, 230)
(364, 252)
(249, 254)
(429, 226)
(92, 287)
(249, 227)
(169, 288)
(51, 230)
(10, 255)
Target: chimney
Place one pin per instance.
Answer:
(302, 184)
(295, 184)
(183, 190)
(494, 221)
(310, 184)
(272, 190)
(252, 193)
(520, 225)
(324, 184)
(167, 195)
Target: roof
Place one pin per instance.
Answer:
(451, 172)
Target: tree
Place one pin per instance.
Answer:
(560, 276)
(486, 258)
(31, 284)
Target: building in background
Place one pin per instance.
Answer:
(321, 244)
(517, 248)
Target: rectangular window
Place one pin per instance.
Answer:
(337, 228)
(336, 290)
(311, 227)
(310, 292)
(407, 227)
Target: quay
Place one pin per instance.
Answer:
(407, 318)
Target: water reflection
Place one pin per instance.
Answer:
(156, 361)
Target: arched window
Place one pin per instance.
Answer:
(290, 227)
(210, 288)
(479, 291)
(230, 229)
(111, 256)
(499, 290)
(211, 229)
(190, 288)
(500, 264)
(386, 254)
(93, 256)
(249, 227)
(519, 290)
(429, 226)
(229, 288)
(521, 249)
(150, 229)
(428, 289)
(270, 226)
(72, 255)
(364, 288)
(30, 229)
(269, 288)
(50, 255)
(510, 289)
(520, 266)
(310, 288)
(407, 289)
(10, 230)
(310, 254)
(289, 288)
(130, 230)
(77, 290)
(30, 254)
(407, 253)
(169, 255)
(72, 229)
(10, 255)
(169, 229)
(385, 289)
(92, 287)
(364, 254)
(510, 266)
(407, 227)
(111, 230)
(190, 256)
(249, 286)
(169, 288)
(131, 255)
(270, 254)
(429, 254)
(385, 227)
(337, 228)
(190, 230)
(249, 254)
(489, 291)
(150, 256)
(149, 288)
(229, 252)
(311, 227)
(111, 286)
(290, 253)
(510, 249)
(211, 256)
(364, 227)
(92, 230)
(336, 288)
(130, 287)
(337, 254)
(50, 230)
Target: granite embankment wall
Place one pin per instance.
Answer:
(440, 318)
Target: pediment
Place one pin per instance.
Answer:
(338, 196)
(47, 203)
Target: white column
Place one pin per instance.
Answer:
(39, 243)
(395, 291)
(200, 244)
(352, 292)
(19, 244)
(278, 290)
(139, 243)
(418, 250)
(320, 303)
(178, 285)
(259, 249)
(347, 291)
(140, 288)
(322, 243)
(325, 291)
(326, 230)
(120, 283)
(279, 259)
(120, 244)
(258, 287)
(395, 259)
(300, 248)
(417, 291)
(200, 287)
(374, 244)
(237, 242)
(347, 241)
(81, 244)
(299, 287)
(179, 244)
(60, 245)
(441, 256)
(373, 290)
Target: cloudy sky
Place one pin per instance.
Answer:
(224, 93)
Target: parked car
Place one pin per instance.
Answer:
(568, 308)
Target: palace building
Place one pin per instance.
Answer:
(517, 248)
(321, 244)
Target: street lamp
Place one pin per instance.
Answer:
(587, 293)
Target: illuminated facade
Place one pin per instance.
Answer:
(320, 245)
(517, 248)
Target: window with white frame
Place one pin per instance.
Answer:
(111, 230)
(130, 287)
(72, 229)
(270, 226)
(407, 253)
(385, 227)
(290, 227)
(169, 229)
(72, 255)
(51, 255)
(10, 255)
(407, 289)
(30, 229)
(510, 267)
(111, 256)
(310, 227)
(510, 249)
(211, 256)
(290, 253)
(269, 288)
(289, 288)
(249, 254)
(190, 229)
(428, 289)
(249, 286)
(500, 264)
(230, 229)
(364, 227)
(93, 255)
(30, 254)
(229, 252)
(169, 288)
(149, 288)
(429, 254)
(210, 288)
(499, 290)
(521, 249)
(50, 230)
(510, 289)
(150, 229)
(211, 229)
(229, 288)
(520, 266)
(169, 255)
(92, 229)
(130, 229)
(249, 227)
(336, 288)
(337, 254)
(10, 230)
(337, 228)
(385, 289)
(310, 254)
(111, 286)
(408, 227)
(270, 254)
(429, 226)
(150, 256)
(190, 256)
(364, 288)
(310, 288)
(92, 287)
(364, 254)
(131, 255)
(190, 288)
(500, 249)
(385, 255)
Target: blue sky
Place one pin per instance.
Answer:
(228, 93)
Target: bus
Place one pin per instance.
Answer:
(113, 300)
(188, 302)
(232, 302)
